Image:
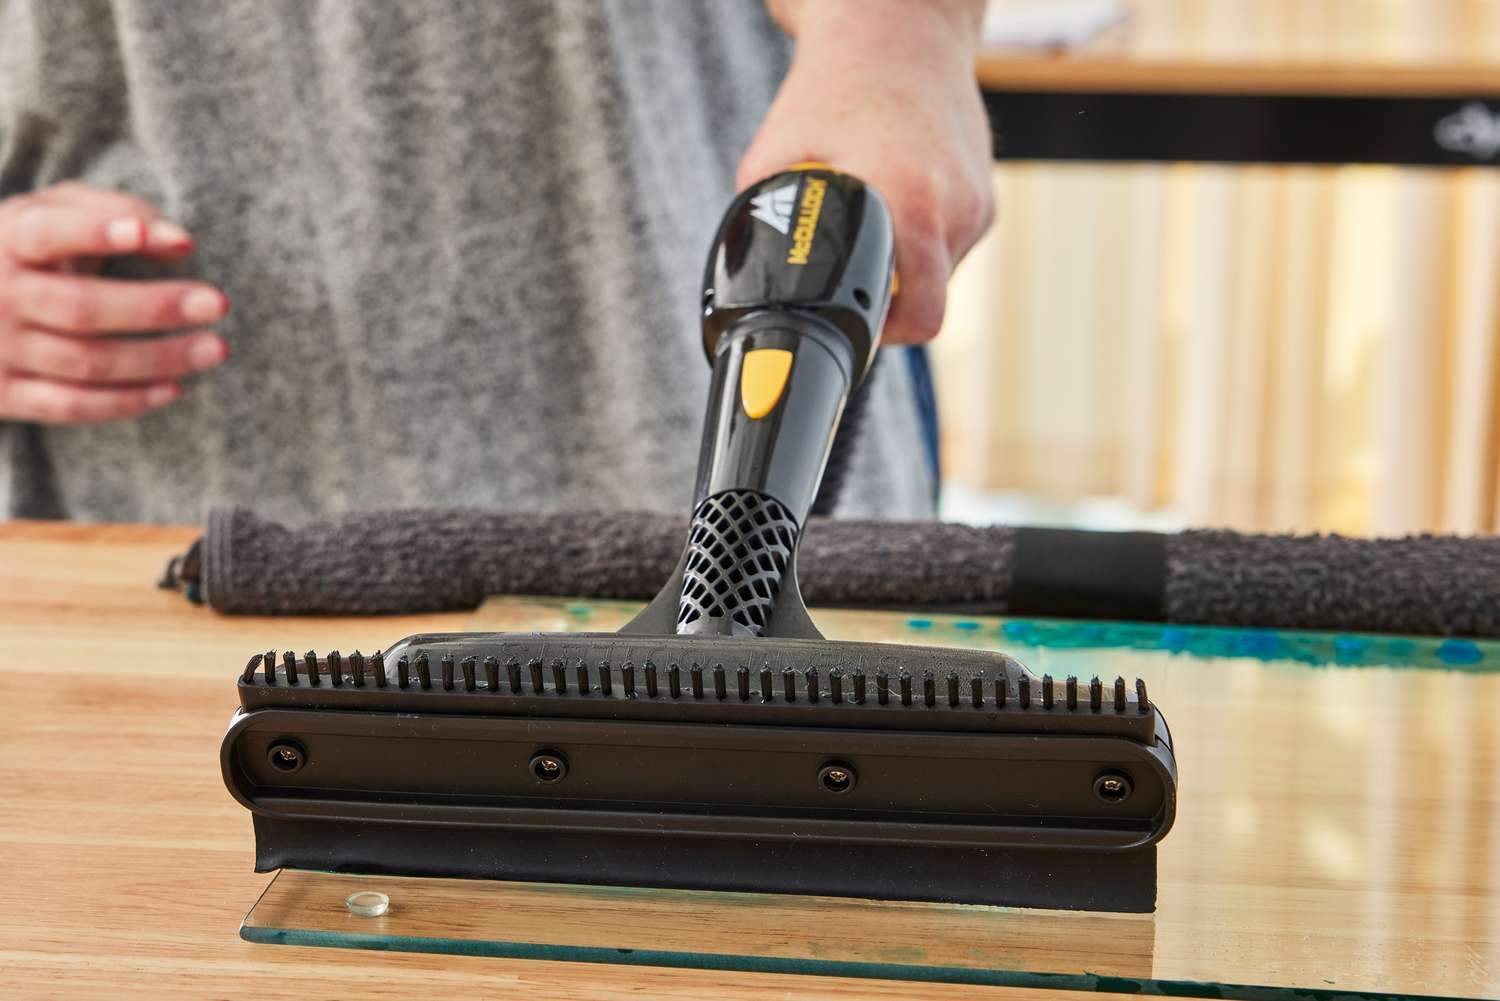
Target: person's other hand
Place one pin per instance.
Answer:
(58, 364)
(885, 90)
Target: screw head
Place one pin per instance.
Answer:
(1113, 787)
(548, 766)
(286, 756)
(837, 777)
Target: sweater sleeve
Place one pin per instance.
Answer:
(63, 90)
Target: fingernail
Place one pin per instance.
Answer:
(160, 396)
(169, 234)
(125, 234)
(203, 305)
(206, 352)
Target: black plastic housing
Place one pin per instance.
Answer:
(801, 272)
(715, 754)
(783, 454)
(846, 277)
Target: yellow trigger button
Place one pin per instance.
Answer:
(763, 378)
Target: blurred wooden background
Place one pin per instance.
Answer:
(1269, 348)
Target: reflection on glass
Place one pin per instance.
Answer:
(1338, 830)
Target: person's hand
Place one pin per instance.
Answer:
(885, 90)
(57, 363)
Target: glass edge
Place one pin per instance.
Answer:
(245, 921)
(896, 972)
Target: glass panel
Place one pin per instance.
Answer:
(1338, 831)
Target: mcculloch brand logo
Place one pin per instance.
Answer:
(774, 207)
(807, 220)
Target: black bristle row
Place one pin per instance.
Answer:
(843, 686)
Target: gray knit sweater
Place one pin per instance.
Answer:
(462, 240)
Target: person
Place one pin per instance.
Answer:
(322, 256)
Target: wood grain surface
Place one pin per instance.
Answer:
(1331, 47)
(125, 867)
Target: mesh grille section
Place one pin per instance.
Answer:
(738, 549)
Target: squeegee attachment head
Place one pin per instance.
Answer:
(776, 765)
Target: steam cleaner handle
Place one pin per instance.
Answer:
(798, 284)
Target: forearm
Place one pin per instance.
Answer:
(885, 90)
(949, 22)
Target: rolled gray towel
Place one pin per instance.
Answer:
(433, 559)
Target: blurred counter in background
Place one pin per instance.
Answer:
(1260, 347)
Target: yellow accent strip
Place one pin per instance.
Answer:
(895, 283)
(811, 165)
(763, 376)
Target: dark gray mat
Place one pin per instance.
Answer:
(433, 559)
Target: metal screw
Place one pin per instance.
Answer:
(286, 756)
(1113, 787)
(549, 766)
(837, 777)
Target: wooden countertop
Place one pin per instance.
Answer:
(1408, 48)
(125, 867)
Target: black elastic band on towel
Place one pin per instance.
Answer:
(1089, 575)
